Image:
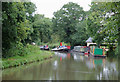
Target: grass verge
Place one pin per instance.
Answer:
(35, 54)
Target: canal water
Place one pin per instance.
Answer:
(66, 66)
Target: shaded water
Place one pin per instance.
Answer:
(66, 66)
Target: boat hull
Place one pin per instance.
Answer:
(78, 51)
(44, 48)
(100, 56)
(61, 50)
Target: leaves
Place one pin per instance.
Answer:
(66, 19)
(15, 26)
(102, 22)
(42, 29)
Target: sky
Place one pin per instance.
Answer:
(48, 7)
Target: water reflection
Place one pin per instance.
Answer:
(55, 64)
(67, 66)
(68, 55)
(100, 65)
(63, 55)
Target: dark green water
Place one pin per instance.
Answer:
(66, 66)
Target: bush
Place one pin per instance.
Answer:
(16, 49)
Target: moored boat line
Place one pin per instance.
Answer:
(86, 50)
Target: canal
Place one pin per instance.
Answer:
(66, 66)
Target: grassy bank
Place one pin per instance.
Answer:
(35, 54)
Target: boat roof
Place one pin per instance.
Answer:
(89, 39)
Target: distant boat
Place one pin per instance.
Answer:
(45, 47)
(81, 49)
(61, 48)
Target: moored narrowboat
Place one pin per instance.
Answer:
(98, 52)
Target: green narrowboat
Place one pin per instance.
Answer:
(98, 52)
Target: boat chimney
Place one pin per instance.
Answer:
(60, 43)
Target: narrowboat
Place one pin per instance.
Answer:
(45, 47)
(61, 48)
(98, 52)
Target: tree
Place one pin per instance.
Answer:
(42, 29)
(15, 27)
(29, 9)
(66, 19)
(81, 35)
(104, 21)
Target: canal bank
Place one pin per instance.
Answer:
(33, 56)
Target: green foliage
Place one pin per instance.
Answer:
(103, 22)
(55, 38)
(81, 35)
(29, 9)
(16, 27)
(17, 49)
(71, 24)
(65, 21)
(42, 29)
